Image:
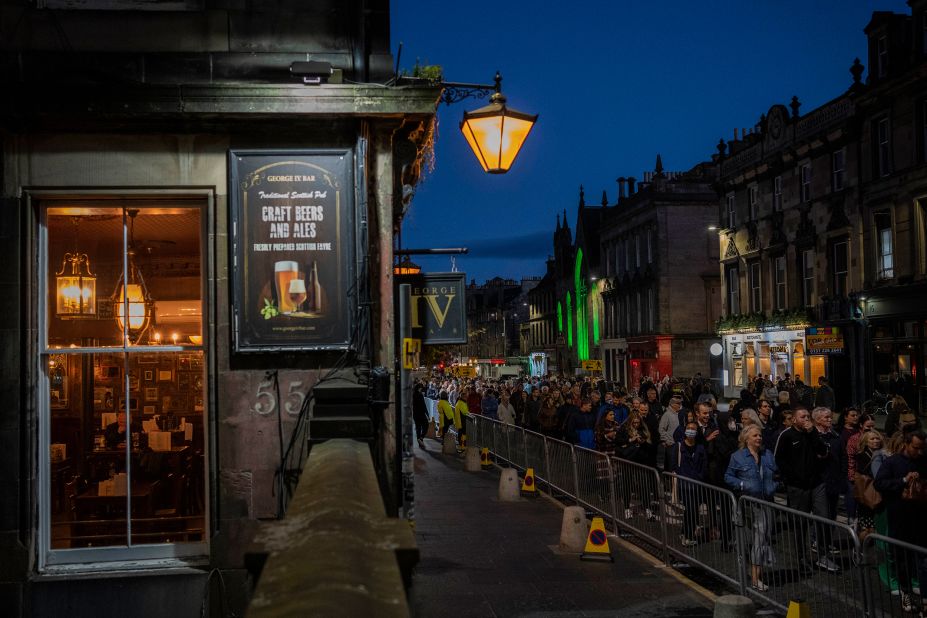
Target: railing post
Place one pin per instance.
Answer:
(575, 474)
(661, 496)
(740, 545)
(612, 492)
(524, 443)
(508, 445)
(550, 489)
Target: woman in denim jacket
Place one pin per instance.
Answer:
(752, 472)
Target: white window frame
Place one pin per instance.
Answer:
(882, 56)
(756, 286)
(838, 169)
(807, 276)
(883, 135)
(804, 179)
(841, 275)
(885, 264)
(780, 279)
(733, 290)
(731, 210)
(92, 559)
(777, 193)
(753, 199)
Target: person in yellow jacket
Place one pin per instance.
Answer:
(461, 412)
(445, 412)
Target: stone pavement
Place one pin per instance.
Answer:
(481, 557)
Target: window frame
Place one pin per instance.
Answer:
(777, 193)
(808, 282)
(840, 275)
(804, 181)
(753, 199)
(781, 293)
(885, 251)
(838, 174)
(882, 55)
(732, 280)
(883, 147)
(731, 210)
(755, 284)
(108, 558)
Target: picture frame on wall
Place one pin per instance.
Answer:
(148, 358)
(165, 375)
(151, 394)
(104, 398)
(58, 381)
(148, 410)
(149, 375)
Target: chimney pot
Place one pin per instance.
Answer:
(631, 185)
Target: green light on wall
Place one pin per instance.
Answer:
(559, 317)
(595, 320)
(582, 326)
(569, 320)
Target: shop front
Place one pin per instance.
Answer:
(773, 354)
(650, 358)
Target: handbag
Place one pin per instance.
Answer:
(865, 492)
(915, 490)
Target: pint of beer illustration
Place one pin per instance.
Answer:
(297, 292)
(284, 273)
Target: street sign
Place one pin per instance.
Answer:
(592, 365)
(411, 353)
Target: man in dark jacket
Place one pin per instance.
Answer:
(906, 517)
(420, 414)
(824, 397)
(801, 455)
(719, 456)
(580, 425)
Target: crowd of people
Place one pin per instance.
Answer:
(778, 437)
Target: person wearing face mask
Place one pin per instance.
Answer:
(689, 461)
(719, 452)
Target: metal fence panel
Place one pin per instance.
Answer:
(639, 500)
(560, 457)
(800, 556)
(890, 571)
(534, 455)
(700, 526)
(517, 446)
(595, 482)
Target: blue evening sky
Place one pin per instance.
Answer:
(614, 84)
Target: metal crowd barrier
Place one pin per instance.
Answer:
(797, 555)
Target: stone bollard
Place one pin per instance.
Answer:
(449, 446)
(472, 462)
(734, 606)
(509, 489)
(574, 529)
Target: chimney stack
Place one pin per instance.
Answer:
(621, 181)
(631, 188)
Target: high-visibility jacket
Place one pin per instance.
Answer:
(460, 410)
(446, 411)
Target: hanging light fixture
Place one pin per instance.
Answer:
(407, 267)
(76, 290)
(496, 133)
(132, 298)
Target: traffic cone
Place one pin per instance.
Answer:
(463, 442)
(529, 486)
(597, 543)
(484, 457)
(798, 609)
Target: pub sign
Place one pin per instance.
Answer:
(439, 310)
(292, 227)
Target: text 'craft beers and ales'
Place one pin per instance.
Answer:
(293, 226)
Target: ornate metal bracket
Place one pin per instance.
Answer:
(454, 91)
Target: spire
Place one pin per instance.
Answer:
(566, 226)
(604, 199)
(658, 168)
(558, 221)
(582, 197)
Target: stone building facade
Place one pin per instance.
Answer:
(117, 129)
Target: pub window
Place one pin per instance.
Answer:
(777, 193)
(731, 211)
(733, 290)
(883, 155)
(807, 277)
(780, 281)
(804, 175)
(123, 408)
(840, 267)
(754, 201)
(886, 260)
(838, 169)
(755, 282)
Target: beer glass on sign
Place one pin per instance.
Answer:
(284, 272)
(297, 292)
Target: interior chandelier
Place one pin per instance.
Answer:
(132, 298)
(76, 290)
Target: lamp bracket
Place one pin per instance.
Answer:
(454, 92)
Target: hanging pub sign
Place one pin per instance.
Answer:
(439, 310)
(292, 228)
